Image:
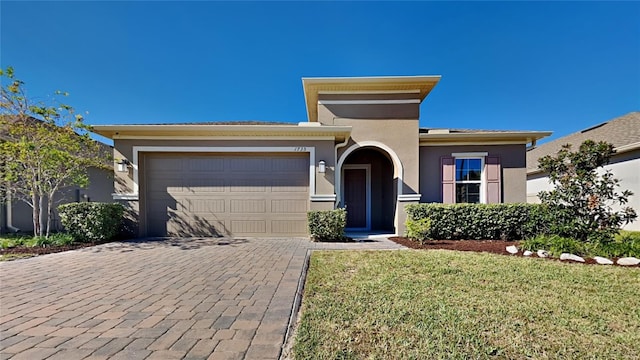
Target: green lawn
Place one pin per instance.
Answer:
(441, 304)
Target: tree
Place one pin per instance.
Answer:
(45, 148)
(585, 199)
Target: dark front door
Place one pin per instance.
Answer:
(355, 197)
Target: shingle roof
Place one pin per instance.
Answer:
(621, 131)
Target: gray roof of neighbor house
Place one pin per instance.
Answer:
(623, 132)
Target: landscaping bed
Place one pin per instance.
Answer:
(487, 246)
(19, 252)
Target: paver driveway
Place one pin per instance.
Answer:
(169, 299)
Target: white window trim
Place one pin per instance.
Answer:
(367, 168)
(311, 150)
(483, 178)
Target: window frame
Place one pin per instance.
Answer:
(483, 178)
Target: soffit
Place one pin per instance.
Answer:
(339, 133)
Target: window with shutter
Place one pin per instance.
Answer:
(471, 178)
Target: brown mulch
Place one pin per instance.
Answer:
(43, 250)
(489, 246)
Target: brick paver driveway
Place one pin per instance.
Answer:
(169, 299)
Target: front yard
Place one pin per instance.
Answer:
(454, 305)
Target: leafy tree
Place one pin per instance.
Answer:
(585, 198)
(45, 148)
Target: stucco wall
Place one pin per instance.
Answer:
(512, 161)
(625, 167)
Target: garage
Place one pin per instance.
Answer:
(244, 194)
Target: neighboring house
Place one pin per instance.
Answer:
(361, 148)
(17, 216)
(622, 132)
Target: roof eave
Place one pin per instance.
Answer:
(131, 131)
(524, 137)
(618, 150)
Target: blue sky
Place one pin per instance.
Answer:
(559, 66)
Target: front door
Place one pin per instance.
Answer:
(356, 197)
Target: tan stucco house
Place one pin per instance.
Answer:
(361, 148)
(623, 132)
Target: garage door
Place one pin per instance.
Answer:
(226, 194)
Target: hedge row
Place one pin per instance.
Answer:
(482, 221)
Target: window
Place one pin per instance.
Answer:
(468, 180)
(472, 177)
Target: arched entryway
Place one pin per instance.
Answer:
(369, 190)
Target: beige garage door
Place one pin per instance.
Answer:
(226, 194)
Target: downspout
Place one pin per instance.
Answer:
(337, 172)
(9, 214)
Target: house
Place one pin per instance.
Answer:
(361, 148)
(623, 132)
(17, 216)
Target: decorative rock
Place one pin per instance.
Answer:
(567, 256)
(542, 253)
(628, 261)
(602, 261)
(512, 249)
(527, 253)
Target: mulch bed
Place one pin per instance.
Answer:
(489, 246)
(42, 250)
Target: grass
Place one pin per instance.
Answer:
(452, 305)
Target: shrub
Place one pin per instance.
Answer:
(39, 241)
(584, 197)
(623, 245)
(61, 239)
(481, 221)
(419, 229)
(327, 225)
(91, 221)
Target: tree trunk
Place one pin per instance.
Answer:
(36, 214)
(49, 213)
(41, 217)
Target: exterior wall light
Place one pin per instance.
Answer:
(123, 165)
(321, 167)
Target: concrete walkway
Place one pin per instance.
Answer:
(167, 299)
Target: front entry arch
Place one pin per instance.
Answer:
(368, 190)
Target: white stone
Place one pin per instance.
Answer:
(527, 253)
(512, 249)
(602, 261)
(542, 253)
(628, 261)
(567, 256)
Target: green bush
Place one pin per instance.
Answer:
(327, 225)
(40, 241)
(91, 221)
(61, 239)
(419, 230)
(623, 245)
(481, 221)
